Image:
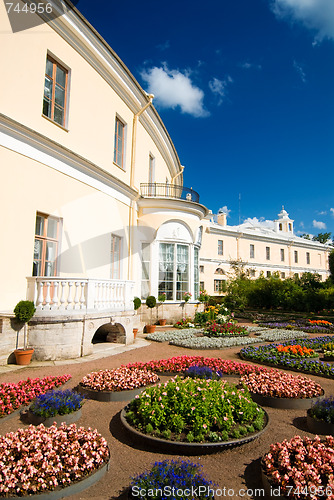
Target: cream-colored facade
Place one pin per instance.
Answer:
(261, 248)
(94, 211)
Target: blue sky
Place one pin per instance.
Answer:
(246, 91)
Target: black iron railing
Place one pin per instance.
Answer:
(161, 190)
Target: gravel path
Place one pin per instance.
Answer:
(234, 469)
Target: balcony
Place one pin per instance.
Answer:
(69, 295)
(161, 190)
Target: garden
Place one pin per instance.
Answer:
(140, 415)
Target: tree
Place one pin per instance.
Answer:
(322, 237)
(306, 236)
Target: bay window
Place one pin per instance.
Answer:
(173, 270)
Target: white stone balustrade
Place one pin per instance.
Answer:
(79, 294)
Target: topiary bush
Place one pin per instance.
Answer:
(136, 303)
(24, 310)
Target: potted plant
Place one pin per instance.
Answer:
(136, 305)
(161, 299)
(24, 311)
(151, 302)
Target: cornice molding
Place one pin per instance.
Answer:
(173, 205)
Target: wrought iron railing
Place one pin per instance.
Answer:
(161, 190)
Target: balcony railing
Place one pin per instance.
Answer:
(79, 294)
(161, 190)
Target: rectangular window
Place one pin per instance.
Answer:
(219, 286)
(201, 269)
(145, 272)
(283, 275)
(308, 259)
(46, 246)
(201, 286)
(282, 255)
(296, 257)
(268, 274)
(220, 247)
(252, 273)
(115, 264)
(166, 270)
(119, 143)
(268, 253)
(55, 92)
(251, 251)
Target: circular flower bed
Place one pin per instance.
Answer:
(302, 468)
(119, 379)
(40, 459)
(278, 384)
(320, 417)
(203, 372)
(119, 384)
(55, 406)
(183, 476)
(214, 329)
(203, 411)
(181, 363)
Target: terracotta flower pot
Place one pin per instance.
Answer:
(23, 356)
(162, 322)
(135, 331)
(150, 328)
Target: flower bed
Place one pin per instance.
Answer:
(320, 418)
(279, 384)
(302, 467)
(203, 372)
(213, 343)
(204, 411)
(270, 356)
(48, 458)
(309, 326)
(215, 329)
(55, 406)
(170, 335)
(179, 364)
(178, 474)
(119, 379)
(12, 396)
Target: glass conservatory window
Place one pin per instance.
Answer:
(173, 270)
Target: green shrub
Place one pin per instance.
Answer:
(136, 303)
(151, 301)
(24, 310)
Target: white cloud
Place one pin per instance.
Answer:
(332, 211)
(173, 88)
(224, 210)
(255, 222)
(317, 15)
(319, 224)
(218, 88)
(300, 71)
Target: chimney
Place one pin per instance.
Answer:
(221, 219)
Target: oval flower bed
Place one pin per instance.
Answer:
(320, 418)
(282, 390)
(205, 412)
(301, 468)
(55, 407)
(183, 476)
(12, 396)
(119, 384)
(266, 354)
(179, 364)
(40, 460)
(214, 329)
